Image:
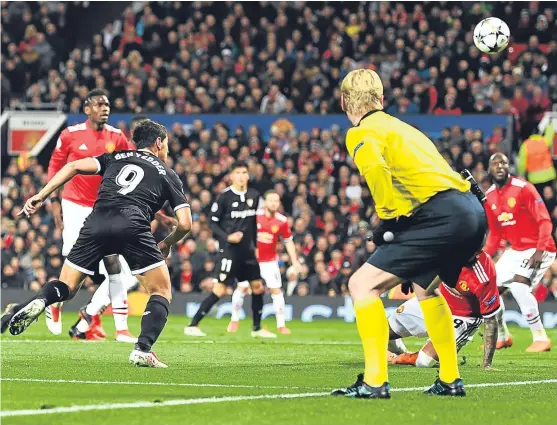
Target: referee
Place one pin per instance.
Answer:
(437, 223)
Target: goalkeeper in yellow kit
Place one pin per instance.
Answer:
(438, 226)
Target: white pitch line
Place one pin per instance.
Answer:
(149, 404)
(156, 384)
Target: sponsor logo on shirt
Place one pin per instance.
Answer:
(264, 237)
(250, 202)
(242, 214)
(506, 219)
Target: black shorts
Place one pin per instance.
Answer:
(125, 232)
(234, 265)
(437, 240)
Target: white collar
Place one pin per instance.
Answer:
(237, 192)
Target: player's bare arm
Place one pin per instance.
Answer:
(291, 250)
(183, 227)
(490, 341)
(69, 171)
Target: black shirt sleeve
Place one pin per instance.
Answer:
(177, 198)
(217, 212)
(103, 161)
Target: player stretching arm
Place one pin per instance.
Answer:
(475, 299)
(270, 226)
(233, 222)
(438, 226)
(134, 186)
(517, 214)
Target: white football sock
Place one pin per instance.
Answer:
(529, 308)
(119, 300)
(424, 360)
(237, 304)
(503, 331)
(396, 346)
(278, 304)
(100, 300)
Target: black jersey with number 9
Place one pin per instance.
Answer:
(140, 179)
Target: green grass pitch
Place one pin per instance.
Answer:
(234, 379)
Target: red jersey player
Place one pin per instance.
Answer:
(474, 300)
(91, 138)
(271, 226)
(517, 214)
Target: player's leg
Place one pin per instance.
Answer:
(249, 270)
(119, 279)
(153, 321)
(55, 291)
(225, 276)
(505, 268)
(74, 216)
(242, 289)
(270, 272)
(88, 326)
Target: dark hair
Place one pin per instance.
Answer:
(146, 132)
(270, 192)
(239, 164)
(134, 121)
(95, 93)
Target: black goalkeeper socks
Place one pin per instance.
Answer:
(204, 308)
(53, 292)
(152, 322)
(257, 308)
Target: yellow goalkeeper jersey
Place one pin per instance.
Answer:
(402, 167)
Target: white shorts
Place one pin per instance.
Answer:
(270, 272)
(74, 216)
(514, 263)
(408, 320)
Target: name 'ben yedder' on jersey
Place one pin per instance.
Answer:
(140, 179)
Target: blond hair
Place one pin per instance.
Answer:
(361, 91)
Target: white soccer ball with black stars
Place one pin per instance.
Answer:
(492, 35)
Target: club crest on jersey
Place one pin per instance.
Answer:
(400, 309)
(222, 277)
(250, 202)
(274, 228)
(110, 147)
(463, 285)
(511, 202)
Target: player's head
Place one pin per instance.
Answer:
(272, 201)
(134, 121)
(151, 135)
(499, 168)
(239, 175)
(97, 106)
(361, 92)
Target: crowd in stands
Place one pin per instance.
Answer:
(273, 58)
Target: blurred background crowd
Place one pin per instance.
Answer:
(272, 58)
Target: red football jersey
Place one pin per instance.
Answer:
(476, 293)
(517, 214)
(81, 141)
(268, 231)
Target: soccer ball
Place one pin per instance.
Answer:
(491, 35)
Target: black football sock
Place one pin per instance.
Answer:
(204, 308)
(152, 322)
(53, 292)
(257, 308)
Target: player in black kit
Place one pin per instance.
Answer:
(134, 186)
(234, 223)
